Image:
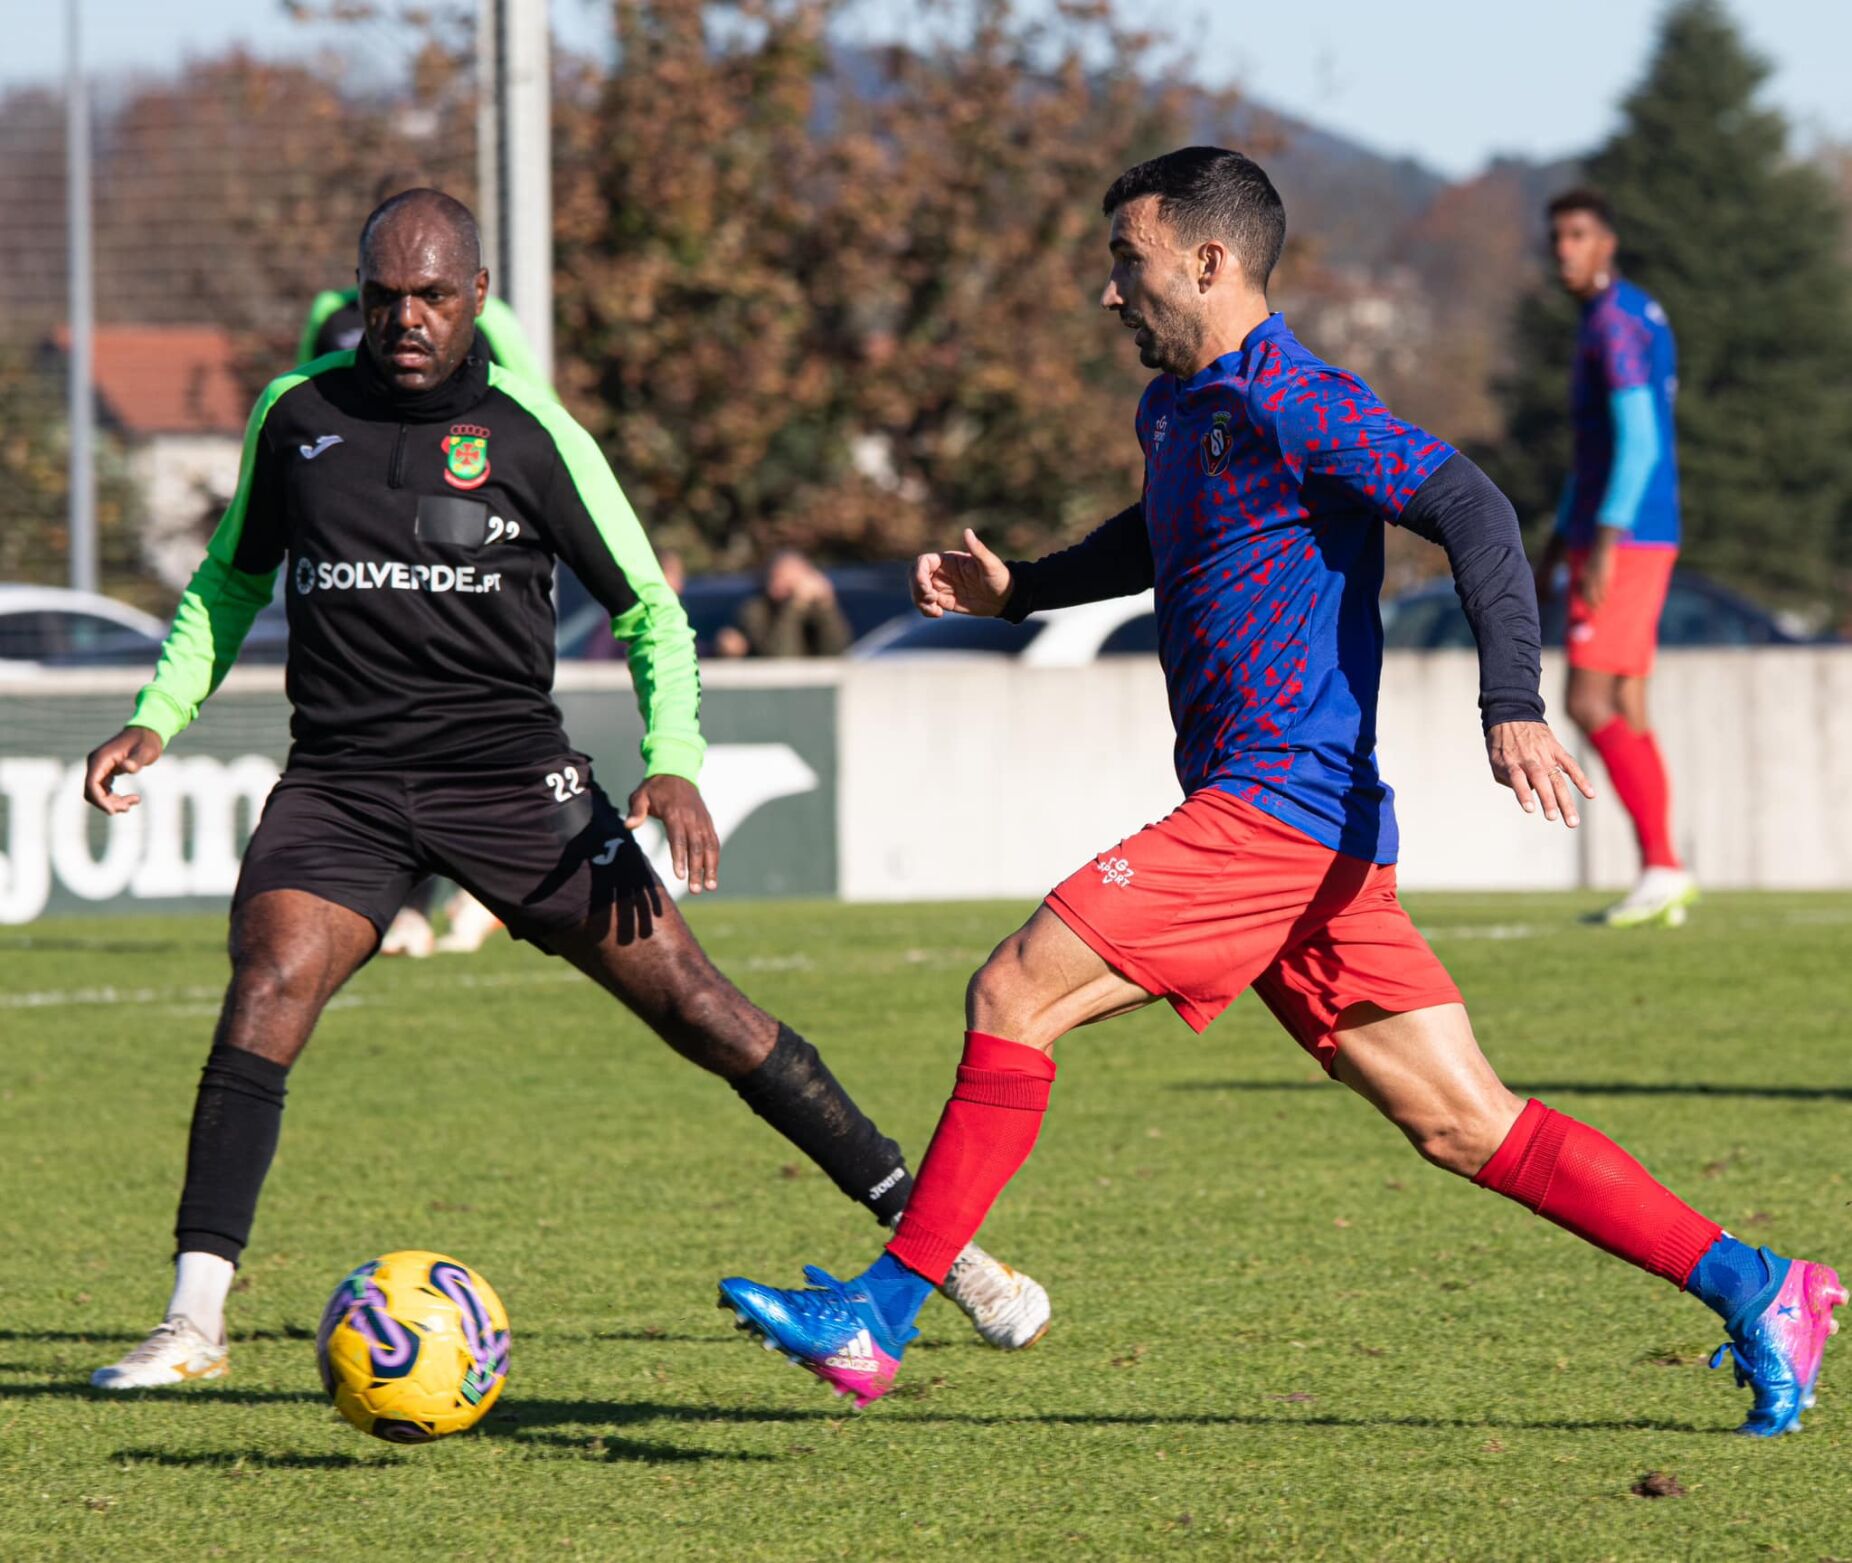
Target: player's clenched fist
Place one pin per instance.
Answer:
(975, 582)
(1527, 758)
(131, 750)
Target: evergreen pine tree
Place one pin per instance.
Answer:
(1743, 247)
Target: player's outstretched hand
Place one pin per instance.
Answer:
(1527, 758)
(131, 750)
(975, 582)
(694, 846)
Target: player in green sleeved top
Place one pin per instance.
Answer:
(415, 498)
(335, 323)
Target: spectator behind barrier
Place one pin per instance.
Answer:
(793, 614)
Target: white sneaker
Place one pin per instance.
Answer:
(176, 1353)
(1010, 1310)
(1663, 895)
(410, 934)
(471, 923)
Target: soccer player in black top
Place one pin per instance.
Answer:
(417, 497)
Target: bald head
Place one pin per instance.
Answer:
(432, 215)
(422, 285)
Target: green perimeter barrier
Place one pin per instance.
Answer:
(770, 781)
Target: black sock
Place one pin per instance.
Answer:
(236, 1117)
(794, 1091)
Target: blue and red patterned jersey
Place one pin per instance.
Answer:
(1625, 344)
(1266, 477)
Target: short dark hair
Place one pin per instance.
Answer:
(1583, 198)
(446, 208)
(1212, 193)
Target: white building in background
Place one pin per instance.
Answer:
(172, 395)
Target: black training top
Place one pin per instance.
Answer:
(420, 535)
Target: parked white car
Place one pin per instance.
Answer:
(1063, 638)
(50, 626)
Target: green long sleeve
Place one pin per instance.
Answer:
(507, 343)
(221, 600)
(328, 302)
(652, 624)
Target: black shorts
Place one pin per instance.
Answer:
(542, 847)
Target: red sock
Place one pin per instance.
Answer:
(985, 1134)
(1580, 1179)
(1638, 772)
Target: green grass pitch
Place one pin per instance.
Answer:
(1277, 1333)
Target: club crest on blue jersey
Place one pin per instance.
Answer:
(1217, 442)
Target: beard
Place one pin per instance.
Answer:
(1169, 345)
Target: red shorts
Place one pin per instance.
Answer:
(1219, 896)
(1621, 635)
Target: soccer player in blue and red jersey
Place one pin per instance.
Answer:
(1268, 478)
(1618, 527)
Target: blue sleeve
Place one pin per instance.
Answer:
(1623, 345)
(1636, 453)
(1565, 506)
(1330, 425)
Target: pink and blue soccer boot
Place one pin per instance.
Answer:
(1778, 1338)
(831, 1328)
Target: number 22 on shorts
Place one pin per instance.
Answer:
(565, 783)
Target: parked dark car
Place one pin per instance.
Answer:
(1698, 612)
(869, 595)
(1063, 638)
(50, 626)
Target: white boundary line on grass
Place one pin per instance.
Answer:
(1489, 931)
(61, 998)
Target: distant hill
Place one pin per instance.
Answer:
(1343, 197)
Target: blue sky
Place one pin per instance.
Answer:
(1449, 81)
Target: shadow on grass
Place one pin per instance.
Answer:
(236, 1461)
(668, 1338)
(532, 1423)
(232, 1461)
(519, 1419)
(1796, 1093)
(68, 942)
(106, 1337)
(178, 1394)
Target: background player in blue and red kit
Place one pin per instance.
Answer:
(1268, 477)
(1618, 527)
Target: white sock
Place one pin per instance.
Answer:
(202, 1282)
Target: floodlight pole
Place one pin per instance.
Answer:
(82, 396)
(514, 161)
(489, 144)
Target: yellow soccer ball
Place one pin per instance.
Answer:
(413, 1346)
